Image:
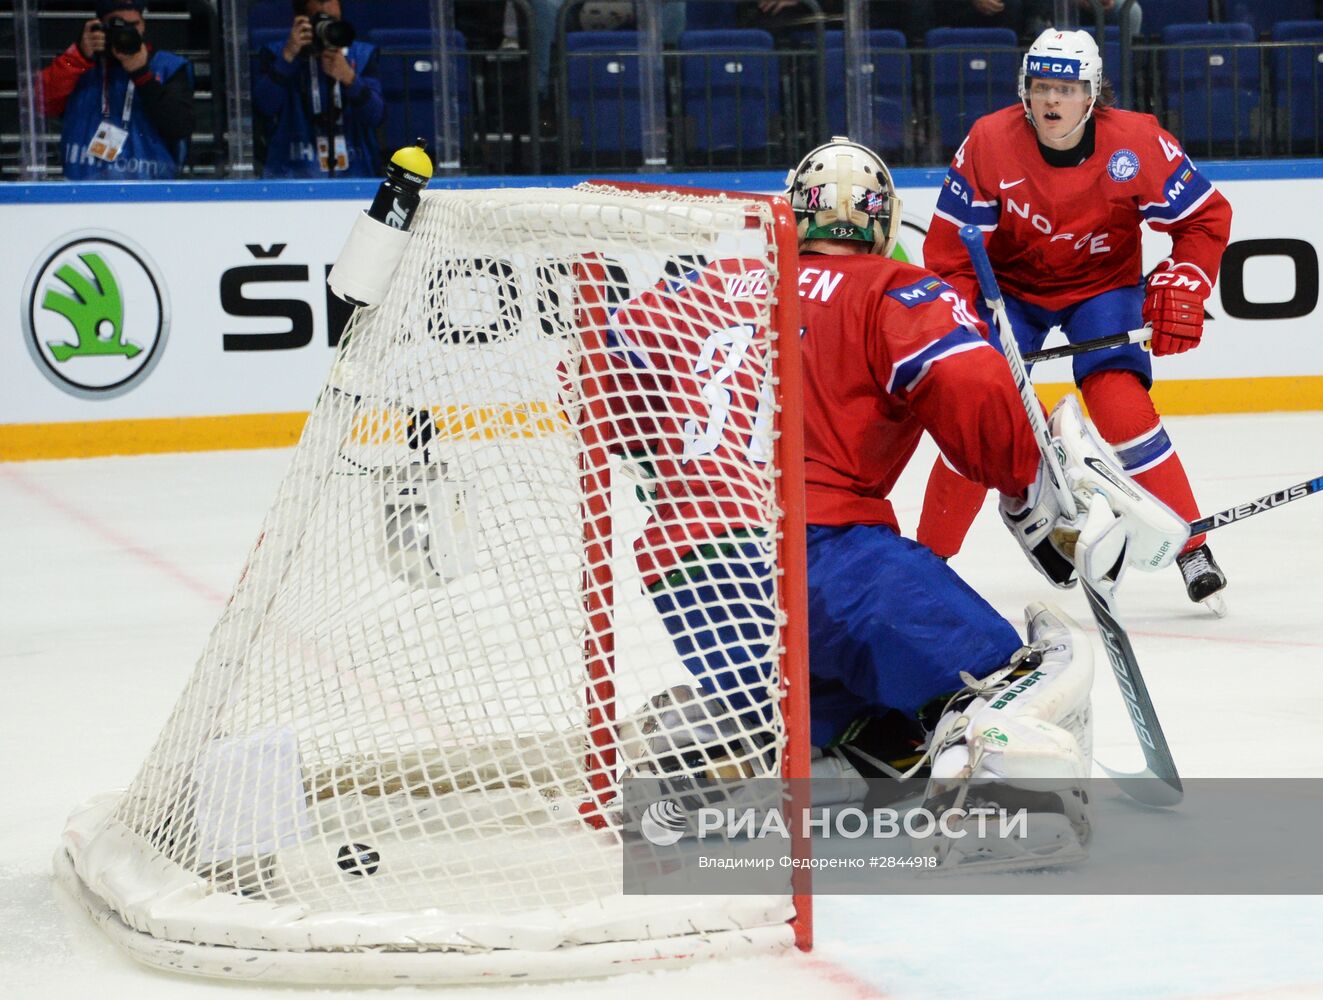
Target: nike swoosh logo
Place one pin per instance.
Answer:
(1004, 186)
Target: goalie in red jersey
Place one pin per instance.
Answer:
(906, 660)
(1060, 186)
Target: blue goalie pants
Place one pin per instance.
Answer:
(891, 626)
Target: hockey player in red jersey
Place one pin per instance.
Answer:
(1060, 186)
(890, 351)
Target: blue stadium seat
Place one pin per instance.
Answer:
(890, 80)
(403, 14)
(602, 68)
(706, 16)
(1158, 14)
(1111, 50)
(1261, 15)
(1298, 86)
(404, 66)
(730, 88)
(1211, 89)
(268, 15)
(970, 83)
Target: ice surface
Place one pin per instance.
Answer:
(114, 571)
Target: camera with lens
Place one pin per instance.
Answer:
(328, 33)
(121, 36)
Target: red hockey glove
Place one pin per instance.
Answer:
(1174, 307)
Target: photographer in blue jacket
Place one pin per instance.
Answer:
(320, 98)
(127, 107)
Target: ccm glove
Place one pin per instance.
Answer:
(1174, 307)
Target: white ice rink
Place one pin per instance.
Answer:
(114, 571)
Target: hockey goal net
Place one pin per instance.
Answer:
(399, 756)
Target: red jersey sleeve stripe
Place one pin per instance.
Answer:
(909, 372)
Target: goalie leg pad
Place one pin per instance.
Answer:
(1022, 735)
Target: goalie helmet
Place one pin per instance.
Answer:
(843, 191)
(1062, 55)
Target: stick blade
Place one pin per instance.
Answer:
(1147, 788)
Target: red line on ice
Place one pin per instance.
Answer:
(122, 542)
(838, 976)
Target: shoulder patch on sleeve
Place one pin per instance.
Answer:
(1184, 190)
(924, 290)
(958, 204)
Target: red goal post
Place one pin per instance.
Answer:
(781, 232)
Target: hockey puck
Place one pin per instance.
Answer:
(358, 859)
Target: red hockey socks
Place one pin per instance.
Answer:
(949, 507)
(1121, 409)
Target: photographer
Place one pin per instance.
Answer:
(127, 107)
(320, 96)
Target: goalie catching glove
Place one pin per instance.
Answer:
(1115, 522)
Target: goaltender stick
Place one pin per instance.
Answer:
(907, 663)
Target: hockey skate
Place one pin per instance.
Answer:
(885, 752)
(699, 750)
(1204, 579)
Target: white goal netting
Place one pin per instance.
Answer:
(542, 485)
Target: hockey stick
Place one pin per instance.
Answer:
(1241, 511)
(1125, 666)
(1140, 336)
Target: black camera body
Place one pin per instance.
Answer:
(328, 33)
(121, 36)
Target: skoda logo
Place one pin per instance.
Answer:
(95, 314)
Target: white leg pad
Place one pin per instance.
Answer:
(1031, 732)
(1039, 727)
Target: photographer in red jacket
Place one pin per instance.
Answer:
(127, 107)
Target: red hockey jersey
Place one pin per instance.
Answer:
(1059, 235)
(688, 359)
(890, 351)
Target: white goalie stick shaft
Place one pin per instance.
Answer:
(1141, 786)
(978, 255)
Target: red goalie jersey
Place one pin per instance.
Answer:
(685, 372)
(1059, 235)
(890, 351)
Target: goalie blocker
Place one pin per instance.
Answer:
(1118, 522)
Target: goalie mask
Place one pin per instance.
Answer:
(1062, 55)
(843, 191)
